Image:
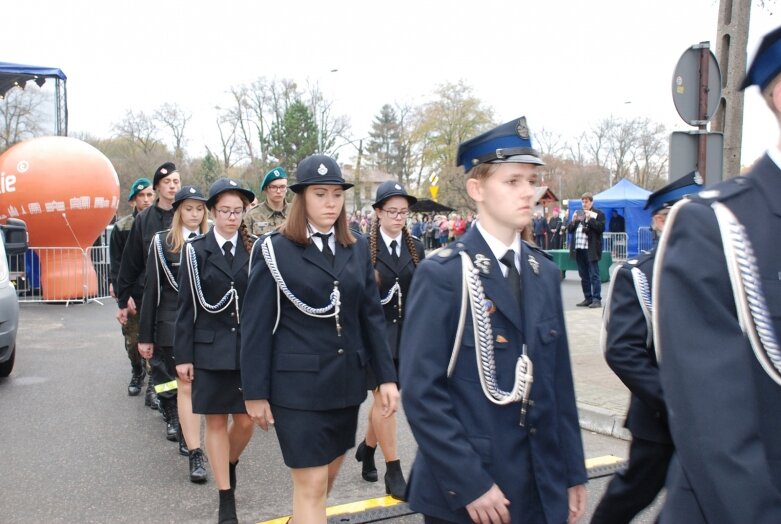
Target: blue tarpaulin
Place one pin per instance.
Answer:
(628, 200)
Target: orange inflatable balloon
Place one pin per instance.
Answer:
(67, 192)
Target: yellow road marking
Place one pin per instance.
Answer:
(350, 507)
(605, 460)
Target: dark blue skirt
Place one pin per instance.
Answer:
(217, 392)
(314, 438)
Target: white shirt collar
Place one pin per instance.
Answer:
(310, 232)
(221, 240)
(498, 248)
(388, 241)
(775, 156)
(186, 233)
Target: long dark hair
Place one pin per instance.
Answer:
(405, 237)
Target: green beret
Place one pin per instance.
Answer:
(138, 185)
(275, 174)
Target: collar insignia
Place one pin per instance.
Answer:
(534, 265)
(483, 263)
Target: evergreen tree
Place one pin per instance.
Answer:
(384, 148)
(296, 136)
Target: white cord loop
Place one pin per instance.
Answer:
(232, 294)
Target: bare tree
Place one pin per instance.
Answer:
(140, 130)
(226, 126)
(174, 119)
(549, 142)
(330, 126)
(20, 115)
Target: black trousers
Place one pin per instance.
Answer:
(633, 489)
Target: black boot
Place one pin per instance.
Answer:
(365, 454)
(227, 513)
(197, 466)
(395, 485)
(171, 416)
(232, 474)
(136, 380)
(182, 443)
(150, 398)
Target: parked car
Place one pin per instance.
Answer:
(13, 241)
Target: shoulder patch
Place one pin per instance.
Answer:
(723, 190)
(446, 253)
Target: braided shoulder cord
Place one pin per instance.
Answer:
(232, 295)
(746, 286)
(164, 264)
(335, 298)
(484, 345)
(643, 291)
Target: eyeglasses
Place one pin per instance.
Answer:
(230, 212)
(278, 189)
(395, 213)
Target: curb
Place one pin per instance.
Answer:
(602, 421)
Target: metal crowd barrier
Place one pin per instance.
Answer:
(61, 274)
(615, 243)
(645, 239)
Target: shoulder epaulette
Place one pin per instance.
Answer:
(640, 259)
(538, 249)
(722, 191)
(446, 253)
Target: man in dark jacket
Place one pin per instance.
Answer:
(132, 271)
(586, 228)
(629, 351)
(140, 197)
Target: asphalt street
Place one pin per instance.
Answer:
(76, 448)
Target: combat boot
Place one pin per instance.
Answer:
(150, 399)
(182, 443)
(171, 416)
(136, 380)
(197, 466)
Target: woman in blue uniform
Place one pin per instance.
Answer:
(158, 321)
(212, 284)
(395, 254)
(313, 322)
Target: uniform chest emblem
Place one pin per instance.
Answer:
(489, 306)
(534, 265)
(483, 263)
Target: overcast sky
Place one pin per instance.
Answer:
(564, 64)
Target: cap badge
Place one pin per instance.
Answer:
(276, 173)
(192, 190)
(522, 128)
(141, 186)
(483, 263)
(232, 182)
(163, 171)
(397, 187)
(534, 265)
(322, 170)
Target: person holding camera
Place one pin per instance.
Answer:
(587, 227)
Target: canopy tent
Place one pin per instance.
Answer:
(425, 205)
(628, 200)
(13, 75)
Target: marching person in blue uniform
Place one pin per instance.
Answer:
(158, 323)
(717, 282)
(313, 323)
(485, 366)
(395, 254)
(627, 341)
(212, 283)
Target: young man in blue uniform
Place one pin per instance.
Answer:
(492, 447)
(717, 283)
(629, 351)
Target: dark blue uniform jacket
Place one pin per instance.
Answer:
(724, 409)
(305, 364)
(465, 442)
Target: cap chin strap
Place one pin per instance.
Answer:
(750, 302)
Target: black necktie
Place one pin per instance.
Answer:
(227, 247)
(394, 255)
(513, 278)
(329, 255)
(192, 235)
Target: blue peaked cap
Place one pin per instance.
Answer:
(509, 142)
(767, 62)
(673, 192)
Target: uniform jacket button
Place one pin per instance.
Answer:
(340, 351)
(233, 314)
(533, 431)
(553, 332)
(451, 493)
(233, 329)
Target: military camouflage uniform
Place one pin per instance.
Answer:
(117, 244)
(262, 219)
